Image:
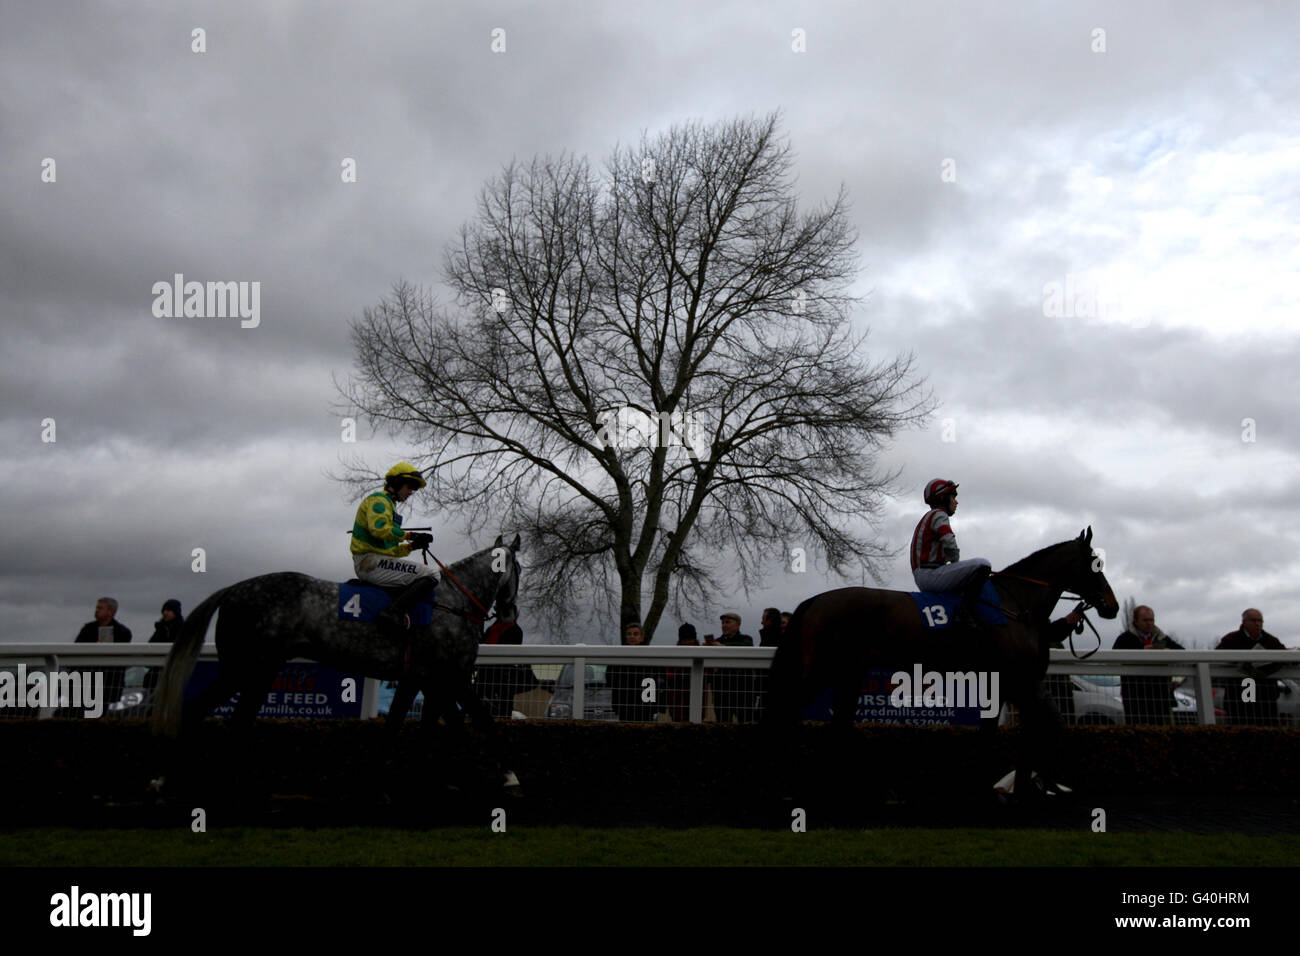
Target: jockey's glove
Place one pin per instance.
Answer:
(420, 540)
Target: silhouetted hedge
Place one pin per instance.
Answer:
(604, 774)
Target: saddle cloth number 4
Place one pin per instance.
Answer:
(353, 606)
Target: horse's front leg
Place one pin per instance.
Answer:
(485, 723)
(1042, 740)
(403, 698)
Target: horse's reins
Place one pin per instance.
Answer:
(480, 621)
(1084, 606)
(407, 663)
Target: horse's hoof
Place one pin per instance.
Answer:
(1053, 789)
(1007, 784)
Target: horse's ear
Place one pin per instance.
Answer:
(497, 543)
(514, 546)
(1088, 540)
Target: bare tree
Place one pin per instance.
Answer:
(650, 375)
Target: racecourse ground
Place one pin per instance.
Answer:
(578, 846)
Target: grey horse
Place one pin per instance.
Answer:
(272, 618)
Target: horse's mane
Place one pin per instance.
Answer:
(463, 562)
(467, 559)
(1035, 557)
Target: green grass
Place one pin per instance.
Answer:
(576, 846)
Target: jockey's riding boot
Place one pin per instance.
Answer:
(967, 614)
(393, 617)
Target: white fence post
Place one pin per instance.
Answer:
(579, 688)
(51, 666)
(1204, 693)
(696, 714)
(370, 698)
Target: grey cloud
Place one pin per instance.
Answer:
(226, 167)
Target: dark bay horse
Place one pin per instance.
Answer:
(271, 618)
(834, 637)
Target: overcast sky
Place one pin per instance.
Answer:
(1157, 175)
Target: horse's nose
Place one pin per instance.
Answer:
(1111, 607)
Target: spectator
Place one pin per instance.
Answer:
(1052, 746)
(168, 627)
(769, 635)
(1147, 700)
(105, 628)
(785, 620)
(1060, 687)
(709, 692)
(735, 690)
(1251, 636)
(731, 636)
(165, 631)
(497, 684)
(625, 683)
(677, 680)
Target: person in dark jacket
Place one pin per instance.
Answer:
(677, 680)
(165, 631)
(107, 629)
(168, 627)
(769, 635)
(1147, 700)
(1057, 701)
(625, 683)
(1251, 636)
(1060, 687)
(498, 684)
(734, 690)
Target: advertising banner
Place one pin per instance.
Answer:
(302, 690)
(875, 704)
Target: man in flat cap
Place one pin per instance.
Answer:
(734, 687)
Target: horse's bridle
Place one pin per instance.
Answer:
(459, 612)
(480, 621)
(1085, 605)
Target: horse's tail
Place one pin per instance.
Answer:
(783, 701)
(180, 665)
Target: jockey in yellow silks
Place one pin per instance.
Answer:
(379, 544)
